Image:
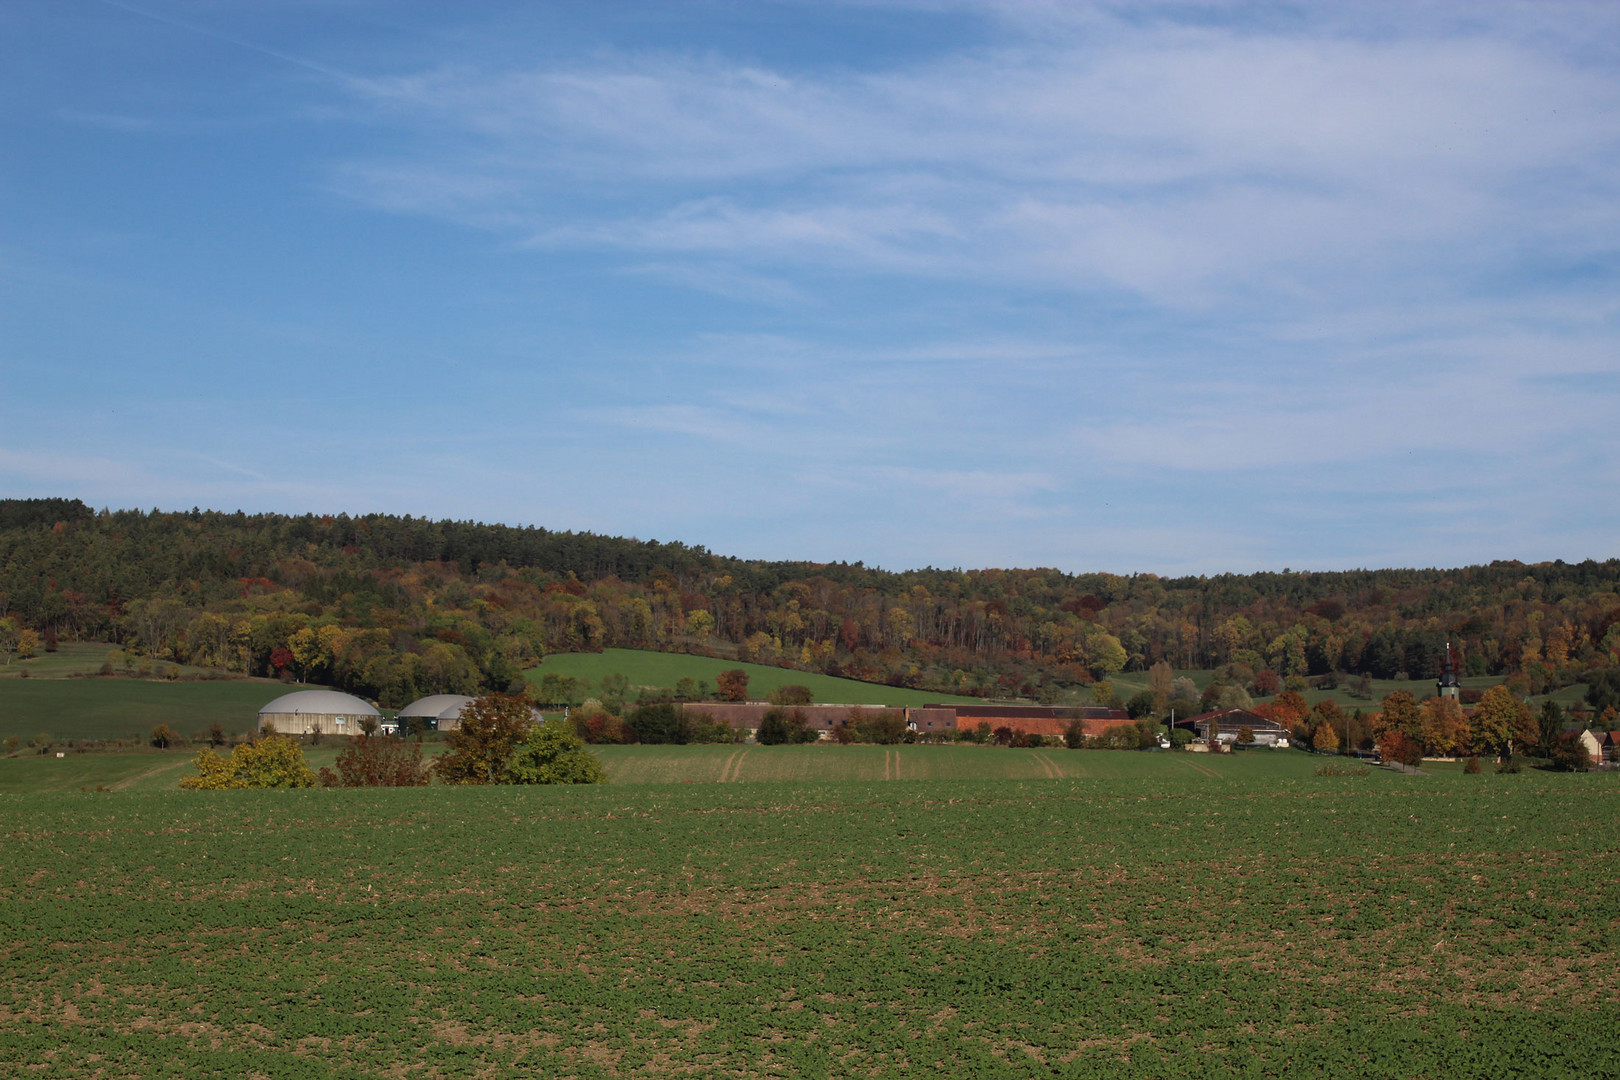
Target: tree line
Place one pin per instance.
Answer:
(394, 607)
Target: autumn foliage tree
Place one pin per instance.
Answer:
(481, 750)
(1445, 727)
(1501, 719)
(733, 685)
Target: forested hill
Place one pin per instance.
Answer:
(394, 606)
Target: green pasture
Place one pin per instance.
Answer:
(662, 670)
(117, 708)
(79, 658)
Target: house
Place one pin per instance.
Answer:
(1592, 745)
(1228, 722)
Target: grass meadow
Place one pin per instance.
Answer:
(656, 669)
(1147, 919)
(117, 708)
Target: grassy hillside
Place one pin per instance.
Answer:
(81, 658)
(661, 669)
(126, 708)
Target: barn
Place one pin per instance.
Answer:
(315, 712)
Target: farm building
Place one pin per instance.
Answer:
(927, 719)
(1592, 746)
(1051, 720)
(1611, 745)
(308, 712)
(819, 718)
(441, 712)
(1267, 732)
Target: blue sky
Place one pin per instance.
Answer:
(1181, 288)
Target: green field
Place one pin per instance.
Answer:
(146, 770)
(78, 658)
(127, 708)
(1159, 922)
(662, 670)
(828, 763)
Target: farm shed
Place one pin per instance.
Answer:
(1038, 719)
(441, 712)
(306, 712)
(1267, 732)
(818, 718)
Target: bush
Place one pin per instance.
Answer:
(657, 724)
(1507, 765)
(781, 727)
(1471, 768)
(792, 694)
(554, 755)
(275, 762)
(1074, 736)
(1140, 705)
(378, 761)
(702, 727)
(1180, 738)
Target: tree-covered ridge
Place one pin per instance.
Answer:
(395, 606)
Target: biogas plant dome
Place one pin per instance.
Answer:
(307, 712)
(443, 709)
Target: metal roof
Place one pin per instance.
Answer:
(324, 702)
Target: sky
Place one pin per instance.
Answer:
(1177, 288)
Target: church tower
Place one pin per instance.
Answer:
(1448, 686)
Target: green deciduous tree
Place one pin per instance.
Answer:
(273, 762)
(552, 754)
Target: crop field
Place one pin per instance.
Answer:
(148, 770)
(121, 708)
(1257, 922)
(826, 763)
(659, 669)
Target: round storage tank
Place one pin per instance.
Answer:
(441, 711)
(307, 712)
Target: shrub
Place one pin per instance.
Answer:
(373, 761)
(780, 726)
(162, 737)
(1472, 766)
(657, 724)
(554, 755)
(792, 694)
(1180, 738)
(1074, 736)
(275, 762)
